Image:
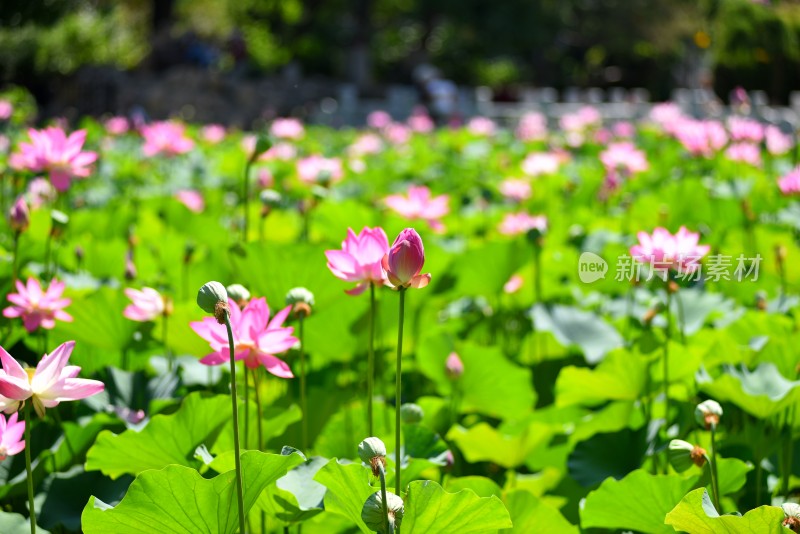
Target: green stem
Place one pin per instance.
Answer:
(164, 333)
(382, 474)
(303, 400)
(28, 469)
(235, 410)
(665, 361)
(681, 318)
(246, 439)
(14, 254)
(260, 445)
(714, 472)
(246, 199)
(397, 391)
(47, 246)
(371, 359)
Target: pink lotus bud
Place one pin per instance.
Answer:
(454, 367)
(404, 261)
(19, 215)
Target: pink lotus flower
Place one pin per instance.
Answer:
(789, 184)
(256, 338)
(148, 304)
(516, 190)
(745, 130)
(165, 137)
(265, 179)
(666, 115)
(52, 382)
(51, 151)
(778, 143)
(701, 138)
(379, 119)
(540, 163)
(519, 223)
(19, 216)
(397, 134)
(287, 129)
(117, 125)
(584, 119)
(360, 258)
(623, 130)
(213, 133)
(404, 261)
(419, 205)
(11, 432)
(744, 153)
(420, 121)
(664, 251)
(38, 308)
(319, 169)
(279, 151)
(368, 143)
(482, 126)
(624, 158)
(192, 199)
(454, 367)
(532, 127)
(40, 192)
(6, 110)
(513, 285)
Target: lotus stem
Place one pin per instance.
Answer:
(371, 359)
(28, 469)
(713, 468)
(382, 474)
(303, 399)
(398, 389)
(235, 409)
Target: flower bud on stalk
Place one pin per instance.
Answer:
(454, 367)
(404, 261)
(372, 512)
(239, 294)
(213, 298)
(682, 455)
(19, 216)
(707, 414)
(301, 300)
(411, 413)
(372, 451)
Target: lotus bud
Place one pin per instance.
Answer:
(404, 261)
(791, 513)
(683, 454)
(761, 300)
(213, 298)
(130, 267)
(19, 216)
(454, 367)
(238, 293)
(372, 451)
(59, 221)
(301, 300)
(411, 413)
(372, 512)
(263, 143)
(707, 414)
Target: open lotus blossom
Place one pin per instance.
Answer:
(663, 251)
(279, 151)
(256, 338)
(403, 263)
(482, 126)
(744, 153)
(147, 304)
(213, 133)
(624, 158)
(287, 128)
(379, 119)
(315, 169)
(165, 137)
(700, 138)
(40, 192)
(623, 130)
(51, 151)
(666, 115)
(117, 125)
(192, 199)
(360, 258)
(745, 130)
(397, 134)
(789, 184)
(540, 163)
(36, 307)
(421, 122)
(532, 127)
(519, 223)
(11, 432)
(516, 190)
(368, 143)
(778, 143)
(419, 205)
(52, 381)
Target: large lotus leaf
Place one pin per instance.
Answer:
(17, 524)
(490, 385)
(167, 439)
(692, 307)
(761, 393)
(296, 496)
(637, 502)
(429, 508)
(484, 487)
(348, 489)
(605, 455)
(177, 499)
(696, 514)
(621, 376)
(572, 326)
(531, 514)
(483, 443)
(421, 442)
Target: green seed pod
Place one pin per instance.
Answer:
(791, 516)
(708, 413)
(371, 448)
(210, 295)
(682, 455)
(238, 293)
(411, 413)
(372, 512)
(270, 198)
(300, 294)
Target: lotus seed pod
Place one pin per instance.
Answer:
(270, 198)
(238, 293)
(212, 298)
(372, 512)
(59, 221)
(371, 448)
(707, 414)
(682, 455)
(411, 413)
(300, 294)
(791, 512)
